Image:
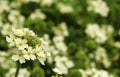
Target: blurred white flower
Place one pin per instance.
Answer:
(57, 70)
(59, 43)
(101, 56)
(47, 2)
(22, 73)
(37, 14)
(64, 8)
(16, 18)
(96, 32)
(117, 44)
(98, 6)
(61, 29)
(4, 61)
(63, 64)
(4, 6)
(6, 29)
(93, 72)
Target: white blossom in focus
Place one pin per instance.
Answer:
(21, 43)
(19, 57)
(28, 45)
(41, 55)
(29, 54)
(11, 39)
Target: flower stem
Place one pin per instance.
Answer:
(56, 75)
(17, 70)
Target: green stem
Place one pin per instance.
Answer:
(56, 75)
(17, 70)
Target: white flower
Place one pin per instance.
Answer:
(37, 14)
(28, 32)
(61, 29)
(19, 57)
(18, 32)
(11, 39)
(21, 43)
(69, 64)
(64, 8)
(97, 33)
(98, 6)
(16, 18)
(41, 55)
(4, 61)
(47, 2)
(4, 6)
(101, 56)
(29, 54)
(23, 72)
(59, 43)
(6, 29)
(93, 72)
(117, 44)
(63, 63)
(57, 70)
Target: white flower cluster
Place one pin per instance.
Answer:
(98, 6)
(22, 73)
(100, 34)
(30, 47)
(62, 64)
(59, 44)
(93, 72)
(61, 32)
(64, 8)
(101, 56)
(16, 18)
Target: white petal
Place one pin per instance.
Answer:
(15, 57)
(26, 57)
(22, 60)
(33, 57)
